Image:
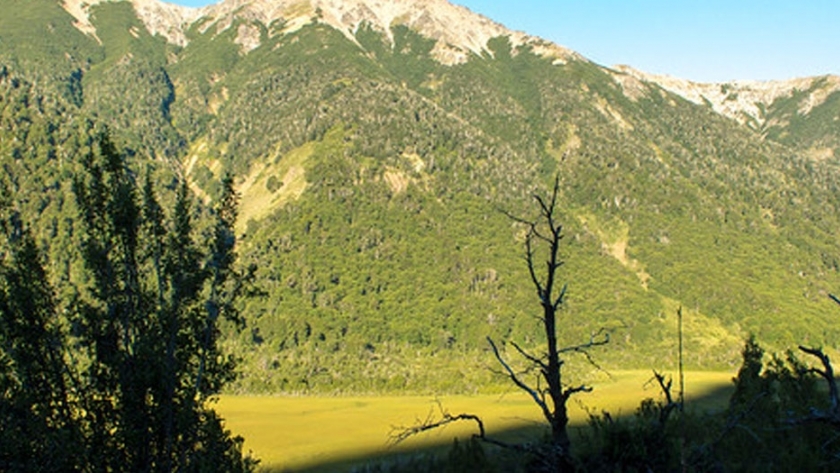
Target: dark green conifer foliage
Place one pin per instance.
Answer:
(468, 456)
(38, 430)
(748, 382)
(768, 425)
(151, 324)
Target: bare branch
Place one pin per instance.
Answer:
(555, 191)
(541, 390)
(556, 229)
(535, 232)
(404, 433)
(832, 416)
(664, 385)
(827, 373)
(529, 252)
(515, 218)
(534, 395)
(530, 357)
(583, 348)
(670, 405)
(561, 297)
(546, 210)
(570, 391)
(593, 342)
(544, 236)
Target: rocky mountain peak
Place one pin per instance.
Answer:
(459, 32)
(165, 19)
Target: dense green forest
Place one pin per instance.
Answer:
(116, 376)
(374, 182)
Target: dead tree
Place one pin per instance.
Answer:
(832, 414)
(550, 393)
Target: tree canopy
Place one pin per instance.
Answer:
(123, 379)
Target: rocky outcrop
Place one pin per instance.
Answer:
(745, 101)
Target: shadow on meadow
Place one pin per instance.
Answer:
(415, 455)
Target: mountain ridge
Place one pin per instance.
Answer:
(457, 30)
(743, 100)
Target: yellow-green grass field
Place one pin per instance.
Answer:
(325, 433)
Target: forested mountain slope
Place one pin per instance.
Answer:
(375, 149)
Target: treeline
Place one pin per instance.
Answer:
(120, 376)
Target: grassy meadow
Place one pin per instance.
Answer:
(320, 433)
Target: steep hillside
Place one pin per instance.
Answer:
(374, 145)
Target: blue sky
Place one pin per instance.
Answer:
(701, 40)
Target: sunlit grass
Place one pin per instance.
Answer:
(258, 201)
(291, 433)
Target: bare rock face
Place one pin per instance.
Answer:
(161, 18)
(458, 31)
(166, 19)
(744, 101)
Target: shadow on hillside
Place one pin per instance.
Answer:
(714, 401)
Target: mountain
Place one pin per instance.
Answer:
(457, 31)
(377, 147)
(798, 112)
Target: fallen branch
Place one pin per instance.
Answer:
(400, 434)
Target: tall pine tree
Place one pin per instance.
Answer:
(39, 429)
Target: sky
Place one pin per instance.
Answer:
(699, 40)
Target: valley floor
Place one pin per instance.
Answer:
(318, 433)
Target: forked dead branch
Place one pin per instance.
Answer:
(831, 415)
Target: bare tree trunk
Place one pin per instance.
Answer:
(545, 231)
